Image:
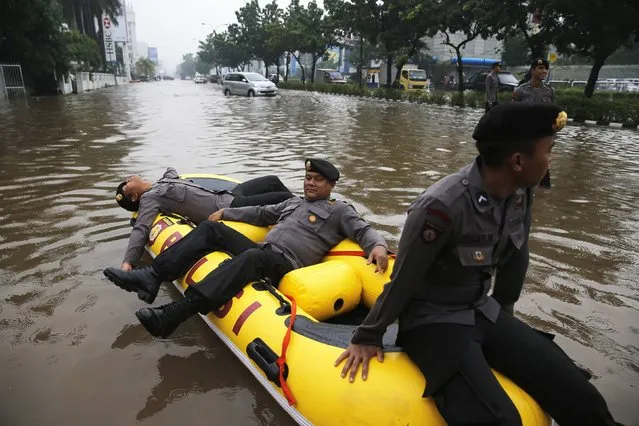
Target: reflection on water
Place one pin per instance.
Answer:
(69, 338)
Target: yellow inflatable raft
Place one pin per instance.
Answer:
(255, 322)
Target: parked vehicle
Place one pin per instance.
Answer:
(507, 81)
(199, 79)
(328, 76)
(248, 84)
(411, 78)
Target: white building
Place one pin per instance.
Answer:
(132, 39)
(143, 49)
(490, 48)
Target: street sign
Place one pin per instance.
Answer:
(107, 22)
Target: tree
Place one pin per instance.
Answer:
(82, 49)
(320, 35)
(595, 31)
(515, 51)
(145, 66)
(187, 66)
(460, 22)
(31, 35)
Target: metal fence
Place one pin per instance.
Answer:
(12, 84)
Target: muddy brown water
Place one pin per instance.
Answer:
(71, 350)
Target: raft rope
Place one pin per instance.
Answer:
(281, 361)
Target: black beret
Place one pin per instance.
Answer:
(322, 167)
(540, 61)
(125, 202)
(496, 64)
(516, 121)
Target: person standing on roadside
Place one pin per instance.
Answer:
(536, 90)
(492, 86)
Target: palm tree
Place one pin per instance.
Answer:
(145, 66)
(79, 14)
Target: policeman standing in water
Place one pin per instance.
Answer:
(459, 233)
(492, 86)
(536, 90)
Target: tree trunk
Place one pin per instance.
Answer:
(460, 70)
(360, 65)
(389, 70)
(594, 75)
(313, 68)
(288, 65)
(297, 58)
(277, 65)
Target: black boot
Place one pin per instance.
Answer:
(161, 321)
(145, 281)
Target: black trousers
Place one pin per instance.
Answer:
(250, 262)
(456, 360)
(489, 105)
(545, 181)
(260, 191)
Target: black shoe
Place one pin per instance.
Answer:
(145, 282)
(161, 321)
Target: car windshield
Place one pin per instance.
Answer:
(335, 75)
(253, 76)
(417, 75)
(507, 78)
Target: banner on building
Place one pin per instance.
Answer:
(153, 55)
(109, 44)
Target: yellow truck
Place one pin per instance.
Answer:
(411, 78)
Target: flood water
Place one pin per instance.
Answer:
(71, 350)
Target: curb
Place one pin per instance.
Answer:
(408, 101)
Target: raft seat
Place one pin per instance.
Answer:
(339, 335)
(324, 290)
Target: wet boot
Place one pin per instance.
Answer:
(161, 321)
(145, 281)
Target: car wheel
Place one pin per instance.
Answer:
(227, 92)
(251, 94)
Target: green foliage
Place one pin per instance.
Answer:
(603, 108)
(515, 51)
(145, 66)
(82, 49)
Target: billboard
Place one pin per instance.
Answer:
(109, 44)
(119, 32)
(153, 55)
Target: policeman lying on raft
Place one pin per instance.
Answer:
(305, 230)
(187, 199)
(463, 230)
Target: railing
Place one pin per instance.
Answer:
(12, 84)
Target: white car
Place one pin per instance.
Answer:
(248, 84)
(199, 79)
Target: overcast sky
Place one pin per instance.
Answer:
(175, 27)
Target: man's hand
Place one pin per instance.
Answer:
(356, 355)
(380, 256)
(126, 266)
(217, 216)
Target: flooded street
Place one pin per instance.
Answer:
(71, 349)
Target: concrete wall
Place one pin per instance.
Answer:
(83, 82)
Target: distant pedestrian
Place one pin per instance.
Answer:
(536, 90)
(492, 86)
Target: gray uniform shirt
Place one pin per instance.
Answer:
(492, 87)
(174, 195)
(306, 230)
(528, 93)
(455, 238)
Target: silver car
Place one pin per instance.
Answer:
(248, 84)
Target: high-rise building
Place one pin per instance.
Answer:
(143, 49)
(132, 39)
